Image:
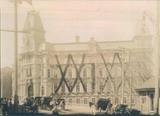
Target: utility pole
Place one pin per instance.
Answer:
(16, 52)
(15, 31)
(131, 89)
(156, 58)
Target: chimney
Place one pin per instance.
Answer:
(77, 39)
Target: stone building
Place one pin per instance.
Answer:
(82, 72)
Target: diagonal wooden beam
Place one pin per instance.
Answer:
(105, 83)
(78, 71)
(105, 64)
(63, 73)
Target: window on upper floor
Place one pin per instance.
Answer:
(70, 100)
(78, 87)
(29, 71)
(85, 100)
(78, 100)
(100, 73)
(85, 84)
(84, 73)
(63, 88)
(49, 73)
(70, 73)
(93, 100)
(124, 100)
(42, 90)
(143, 100)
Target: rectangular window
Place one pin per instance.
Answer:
(70, 73)
(77, 88)
(70, 101)
(116, 100)
(125, 100)
(63, 88)
(85, 101)
(84, 73)
(101, 87)
(49, 74)
(132, 101)
(93, 100)
(100, 73)
(30, 71)
(86, 87)
(143, 100)
(78, 101)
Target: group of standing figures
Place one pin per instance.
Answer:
(7, 105)
(30, 104)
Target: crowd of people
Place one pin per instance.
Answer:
(30, 104)
(7, 105)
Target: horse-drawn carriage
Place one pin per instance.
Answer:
(103, 104)
(123, 110)
(29, 105)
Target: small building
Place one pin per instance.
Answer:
(146, 94)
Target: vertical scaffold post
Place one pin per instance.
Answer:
(122, 74)
(156, 59)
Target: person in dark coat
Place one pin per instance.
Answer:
(4, 107)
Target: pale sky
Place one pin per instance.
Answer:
(105, 20)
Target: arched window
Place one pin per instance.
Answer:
(30, 91)
(30, 88)
(42, 90)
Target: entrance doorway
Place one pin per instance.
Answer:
(30, 88)
(30, 91)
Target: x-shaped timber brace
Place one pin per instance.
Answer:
(109, 71)
(63, 73)
(78, 72)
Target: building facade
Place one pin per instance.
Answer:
(82, 72)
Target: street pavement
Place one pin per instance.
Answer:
(69, 111)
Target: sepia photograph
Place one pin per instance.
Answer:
(79, 57)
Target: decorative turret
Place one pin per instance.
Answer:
(35, 35)
(143, 35)
(143, 29)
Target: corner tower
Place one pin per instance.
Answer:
(35, 35)
(29, 61)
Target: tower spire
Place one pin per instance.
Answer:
(36, 34)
